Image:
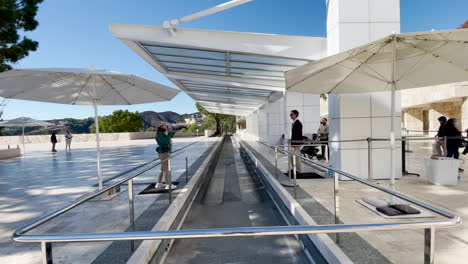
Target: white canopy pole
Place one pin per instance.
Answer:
(213, 10)
(170, 25)
(392, 120)
(24, 149)
(98, 147)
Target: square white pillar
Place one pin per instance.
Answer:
(351, 23)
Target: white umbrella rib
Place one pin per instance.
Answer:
(149, 91)
(81, 90)
(357, 68)
(326, 68)
(437, 56)
(112, 87)
(379, 77)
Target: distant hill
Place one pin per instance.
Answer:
(150, 118)
(79, 126)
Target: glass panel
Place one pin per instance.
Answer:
(266, 67)
(256, 76)
(163, 58)
(257, 72)
(196, 71)
(207, 90)
(266, 59)
(186, 53)
(194, 67)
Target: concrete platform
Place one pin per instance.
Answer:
(41, 182)
(316, 196)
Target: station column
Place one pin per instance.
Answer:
(351, 23)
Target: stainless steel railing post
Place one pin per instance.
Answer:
(131, 207)
(276, 162)
(369, 158)
(429, 241)
(46, 252)
(336, 196)
(295, 176)
(289, 162)
(170, 179)
(186, 166)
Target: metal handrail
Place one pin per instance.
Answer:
(371, 184)
(233, 232)
(429, 226)
(46, 218)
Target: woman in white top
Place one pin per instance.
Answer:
(68, 139)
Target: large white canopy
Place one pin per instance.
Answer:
(226, 72)
(421, 59)
(81, 87)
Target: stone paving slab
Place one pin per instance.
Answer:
(41, 182)
(399, 247)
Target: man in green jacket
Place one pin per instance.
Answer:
(164, 149)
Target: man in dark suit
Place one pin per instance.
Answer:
(296, 136)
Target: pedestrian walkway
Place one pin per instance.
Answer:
(41, 182)
(315, 195)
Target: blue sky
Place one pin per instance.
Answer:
(75, 33)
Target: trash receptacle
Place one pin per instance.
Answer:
(442, 171)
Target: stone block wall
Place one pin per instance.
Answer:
(414, 117)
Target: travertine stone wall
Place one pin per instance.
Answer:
(413, 117)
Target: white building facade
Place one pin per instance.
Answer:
(243, 74)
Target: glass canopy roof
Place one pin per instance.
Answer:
(178, 59)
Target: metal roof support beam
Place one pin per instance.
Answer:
(269, 85)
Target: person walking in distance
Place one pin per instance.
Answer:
(454, 140)
(68, 139)
(323, 135)
(438, 145)
(164, 149)
(53, 140)
(296, 138)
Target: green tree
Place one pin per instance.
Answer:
(220, 120)
(16, 15)
(120, 121)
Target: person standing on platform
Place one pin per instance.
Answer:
(296, 139)
(454, 140)
(323, 135)
(164, 149)
(439, 145)
(53, 140)
(68, 139)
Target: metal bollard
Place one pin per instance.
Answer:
(337, 203)
(186, 166)
(295, 176)
(276, 162)
(170, 180)
(131, 207)
(429, 241)
(46, 251)
(369, 158)
(289, 163)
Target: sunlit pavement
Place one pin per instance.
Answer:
(42, 181)
(402, 247)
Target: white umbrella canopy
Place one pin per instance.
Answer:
(24, 122)
(82, 87)
(78, 86)
(421, 59)
(396, 62)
